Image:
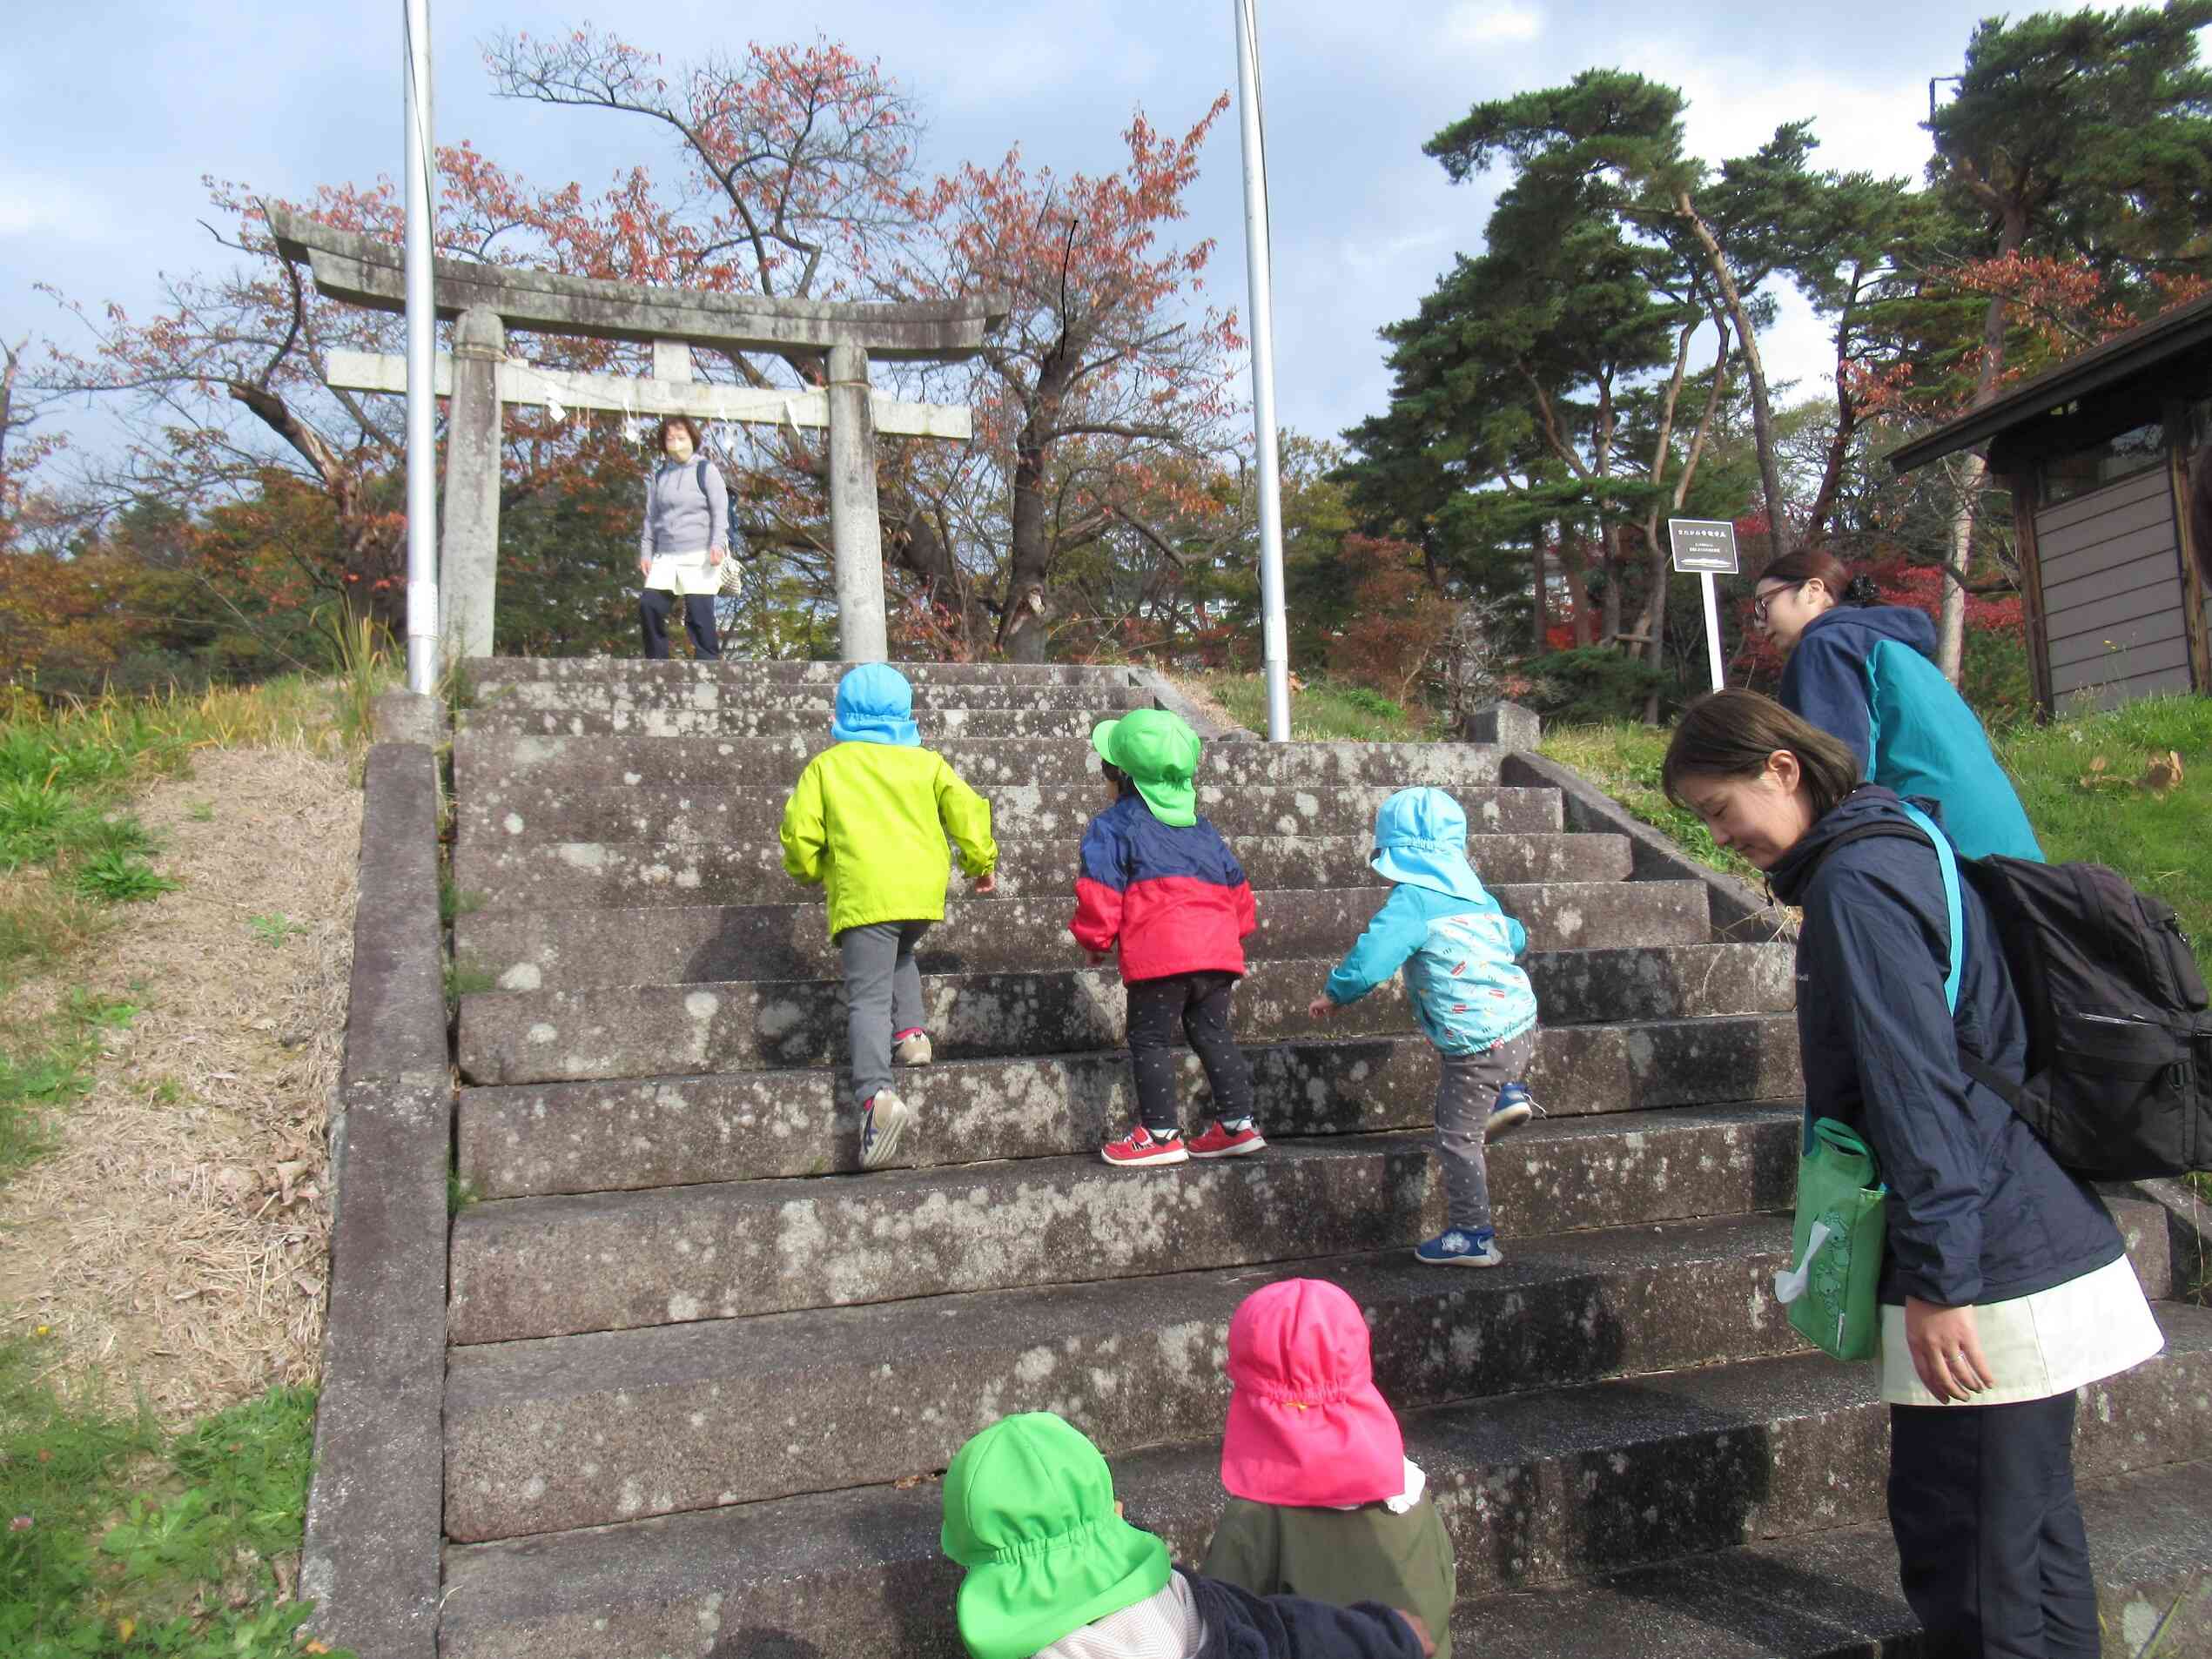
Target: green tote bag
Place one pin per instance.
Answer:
(1837, 1244)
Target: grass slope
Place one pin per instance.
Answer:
(116, 1539)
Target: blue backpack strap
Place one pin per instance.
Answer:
(1948, 861)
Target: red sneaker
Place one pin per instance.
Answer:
(1140, 1146)
(1218, 1142)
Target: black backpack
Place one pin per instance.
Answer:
(2118, 1079)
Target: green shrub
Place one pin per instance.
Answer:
(1994, 677)
(1591, 686)
(121, 878)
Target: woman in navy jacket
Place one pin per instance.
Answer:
(2006, 1285)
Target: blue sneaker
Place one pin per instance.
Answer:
(1457, 1248)
(1516, 1105)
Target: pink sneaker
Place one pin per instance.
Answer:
(1140, 1146)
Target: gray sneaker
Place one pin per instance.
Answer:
(882, 1127)
(913, 1049)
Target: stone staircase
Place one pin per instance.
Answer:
(702, 1375)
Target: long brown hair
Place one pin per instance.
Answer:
(1731, 733)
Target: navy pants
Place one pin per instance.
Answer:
(1990, 1548)
(1199, 1003)
(653, 607)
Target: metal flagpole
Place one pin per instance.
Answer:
(1276, 636)
(422, 342)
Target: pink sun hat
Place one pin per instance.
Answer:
(1306, 1427)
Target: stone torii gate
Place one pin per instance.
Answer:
(479, 378)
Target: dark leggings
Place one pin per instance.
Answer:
(1990, 1548)
(1200, 1002)
(653, 607)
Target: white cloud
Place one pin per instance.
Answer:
(1736, 103)
(52, 210)
(1482, 23)
(1367, 259)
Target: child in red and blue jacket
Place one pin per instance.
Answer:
(1159, 881)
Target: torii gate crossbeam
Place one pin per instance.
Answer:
(479, 376)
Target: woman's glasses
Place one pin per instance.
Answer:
(1759, 605)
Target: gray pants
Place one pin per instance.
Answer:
(1467, 1087)
(882, 995)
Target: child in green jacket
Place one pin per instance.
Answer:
(869, 822)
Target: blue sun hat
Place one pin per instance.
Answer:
(875, 705)
(1421, 839)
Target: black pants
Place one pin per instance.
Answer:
(1201, 1002)
(653, 607)
(1990, 1548)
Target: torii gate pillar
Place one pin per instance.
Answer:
(488, 299)
(468, 545)
(856, 527)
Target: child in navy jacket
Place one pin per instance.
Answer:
(1159, 881)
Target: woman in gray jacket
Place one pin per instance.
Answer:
(682, 543)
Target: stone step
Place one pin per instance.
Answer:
(582, 1431)
(487, 671)
(1536, 1489)
(486, 761)
(718, 1025)
(562, 875)
(531, 1139)
(627, 694)
(749, 816)
(671, 944)
(559, 1265)
(1835, 1595)
(744, 718)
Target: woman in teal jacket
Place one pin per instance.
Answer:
(1867, 673)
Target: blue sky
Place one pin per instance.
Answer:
(114, 111)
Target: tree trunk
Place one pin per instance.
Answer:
(1951, 624)
(1540, 559)
(1831, 473)
(1770, 473)
(912, 543)
(1574, 561)
(1609, 528)
(1023, 634)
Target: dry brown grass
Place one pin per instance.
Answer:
(175, 1242)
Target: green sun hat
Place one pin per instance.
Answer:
(1159, 752)
(1029, 1512)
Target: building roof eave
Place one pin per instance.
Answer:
(2103, 365)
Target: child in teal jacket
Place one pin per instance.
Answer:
(1459, 953)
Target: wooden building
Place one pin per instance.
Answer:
(2099, 454)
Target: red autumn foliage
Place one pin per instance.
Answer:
(1399, 618)
(1897, 582)
(1103, 381)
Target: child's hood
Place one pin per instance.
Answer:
(1420, 840)
(1306, 1425)
(875, 705)
(1029, 1512)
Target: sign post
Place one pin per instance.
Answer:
(1708, 546)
